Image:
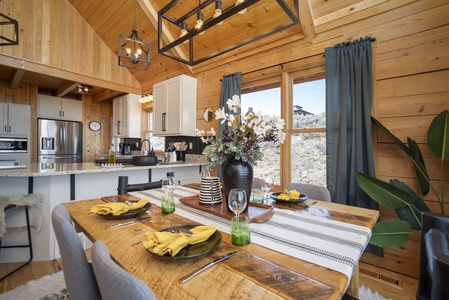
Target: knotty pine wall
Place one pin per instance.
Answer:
(63, 47)
(411, 72)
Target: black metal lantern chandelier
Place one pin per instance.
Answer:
(132, 51)
(186, 25)
(6, 23)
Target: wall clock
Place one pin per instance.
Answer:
(94, 125)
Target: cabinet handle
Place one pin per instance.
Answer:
(62, 113)
(118, 127)
(164, 115)
(9, 128)
(6, 128)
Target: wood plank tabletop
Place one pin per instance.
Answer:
(255, 273)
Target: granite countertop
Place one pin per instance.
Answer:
(54, 169)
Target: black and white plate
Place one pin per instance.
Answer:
(302, 198)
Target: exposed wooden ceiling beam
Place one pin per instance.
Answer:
(16, 78)
(151, 13)
(106, 95)
(306, 18)
(65, 89)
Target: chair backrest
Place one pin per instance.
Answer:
(434, 257)
(115, 282)
(258, 182)
(78, 274)
(437, 250)
(310, 190)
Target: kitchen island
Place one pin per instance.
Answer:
(59, 183)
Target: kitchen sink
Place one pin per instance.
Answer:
(144, 160)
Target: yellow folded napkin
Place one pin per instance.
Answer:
(164, 242)
(139, 204)
(117, 208)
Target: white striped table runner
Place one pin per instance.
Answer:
(332, 244)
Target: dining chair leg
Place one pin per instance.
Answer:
(29, 245)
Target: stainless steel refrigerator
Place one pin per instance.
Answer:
(59, 141)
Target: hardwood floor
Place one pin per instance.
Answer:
(32, 271)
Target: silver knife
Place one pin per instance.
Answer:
(128, 223)
(193, 274)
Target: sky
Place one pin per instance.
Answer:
(310, 95)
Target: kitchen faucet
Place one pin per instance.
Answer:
(145, 151)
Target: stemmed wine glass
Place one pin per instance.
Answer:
(237, 201)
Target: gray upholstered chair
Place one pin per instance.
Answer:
(434, 257)
(258, 182)
(312, 191)
(115, 282)
(78, 273)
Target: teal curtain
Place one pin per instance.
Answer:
(231, 85)
(349, 94)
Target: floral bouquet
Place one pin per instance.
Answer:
(247, 137)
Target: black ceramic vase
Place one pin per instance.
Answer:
(236, 174)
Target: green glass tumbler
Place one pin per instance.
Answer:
(167, 204)
(240, 231)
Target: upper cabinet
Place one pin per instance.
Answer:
(14, 119)
(174, 107)
(127, 115)
(59, 108)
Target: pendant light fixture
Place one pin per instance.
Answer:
(218, 10)
(132, 51)
(190, 24)
(9, 29)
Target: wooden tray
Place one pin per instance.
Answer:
(120, 198)
(257, 212)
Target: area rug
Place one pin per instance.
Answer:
(50, 287)
(366, 294)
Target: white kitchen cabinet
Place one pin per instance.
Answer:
(60, 108)
(174, 107)
(14, 119)
(126, 116)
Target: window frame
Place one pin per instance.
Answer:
(309, 69)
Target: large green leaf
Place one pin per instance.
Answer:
(412, 212)
(390, 234)
(415, 155)
(420, 167)
(384, 193)
(393, 137)
(438, 136)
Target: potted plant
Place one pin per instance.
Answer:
(397, 195)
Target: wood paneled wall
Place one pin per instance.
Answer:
(96, 142)
(66, 44)
(411, 71)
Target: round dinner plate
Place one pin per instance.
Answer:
(130, 213)
(193, 251)
(302, 198)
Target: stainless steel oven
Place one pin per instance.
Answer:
(14, 152)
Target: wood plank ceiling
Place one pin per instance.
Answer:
(111, 18)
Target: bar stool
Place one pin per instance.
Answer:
(30, 201)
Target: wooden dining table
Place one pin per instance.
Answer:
(256, 272)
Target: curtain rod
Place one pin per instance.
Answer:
(284, 63)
